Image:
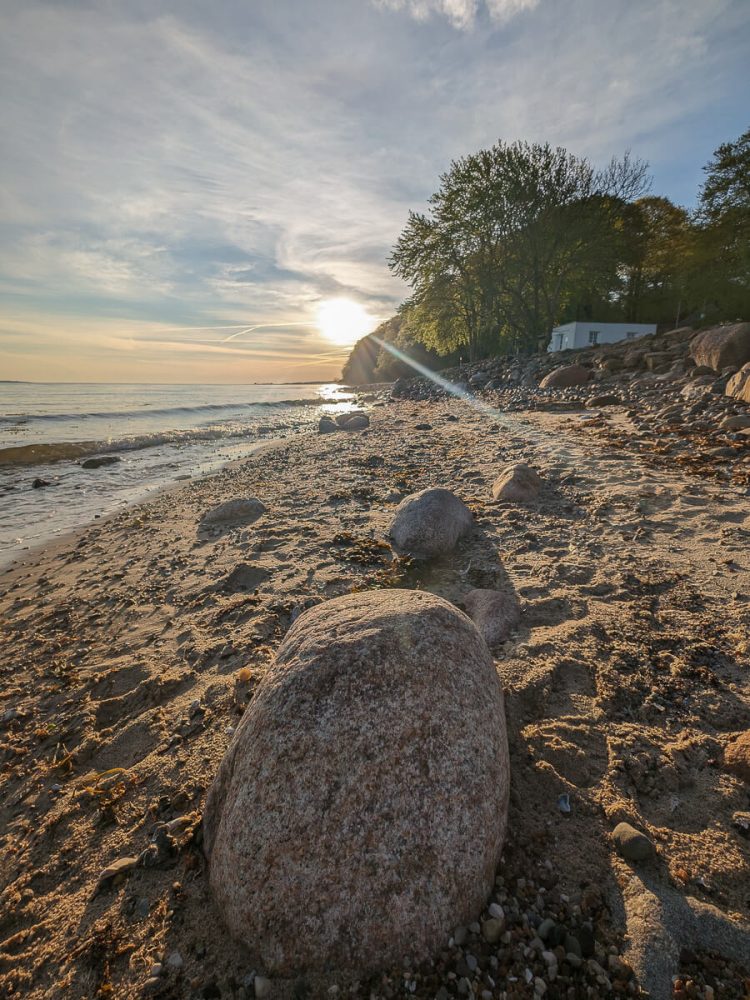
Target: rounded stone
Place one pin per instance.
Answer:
(517, 483)
(565, 377)
(631, 843)
(429, 523)
(494, 612)
(360, 811)
(233, 513)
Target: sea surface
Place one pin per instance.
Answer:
(159, 434)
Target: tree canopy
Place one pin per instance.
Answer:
(523, 236)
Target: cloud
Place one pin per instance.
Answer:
(461, 14)
(170, 165)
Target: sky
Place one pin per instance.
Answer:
(184, 186)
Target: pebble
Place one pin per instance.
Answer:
(262, 986)
(116, 872)
(545, 928)
(492, 930)
(461, 935)
(631, 843)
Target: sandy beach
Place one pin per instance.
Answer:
(130, 650)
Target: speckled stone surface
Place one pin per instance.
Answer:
(429, 523)
(360, 811)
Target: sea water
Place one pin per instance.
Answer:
(157, 433)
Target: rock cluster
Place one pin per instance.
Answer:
(679, 408)
(361, 807)
(352, 420)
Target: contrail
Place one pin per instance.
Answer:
(260, 326)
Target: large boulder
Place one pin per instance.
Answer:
(738, 385)
(565, 377)
(517, 483)
(360, 811)
(429, 523)
(722, 347)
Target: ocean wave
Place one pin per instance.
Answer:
(44, 454)
(18, 418)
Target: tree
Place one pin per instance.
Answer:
(656, 280)
(723, 221)
(512, 233)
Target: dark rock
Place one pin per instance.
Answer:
(97, 463)
(326, 425)
(606, 400)
(631, 843)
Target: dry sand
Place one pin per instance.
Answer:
(126, 663)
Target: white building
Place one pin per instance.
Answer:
(578, 335)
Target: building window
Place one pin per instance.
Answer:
(593, 336)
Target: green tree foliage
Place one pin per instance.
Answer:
(656, 276)
(513, 235)
(722, 273)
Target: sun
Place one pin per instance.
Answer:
(343, 321)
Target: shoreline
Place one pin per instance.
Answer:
(127, 646)
(40, 548)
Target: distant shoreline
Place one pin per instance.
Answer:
(23, 381)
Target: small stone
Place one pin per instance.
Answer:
(631, 843)
(233, 513)
(461, 936)
(174, 960)
(492, 930)
(517, 483)
(572, 945)
(495, 613)
(97, 463)
(262, 986)
(545, 928)
(116, 872)
(540, 987)
(156, 970)
(495, 910)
